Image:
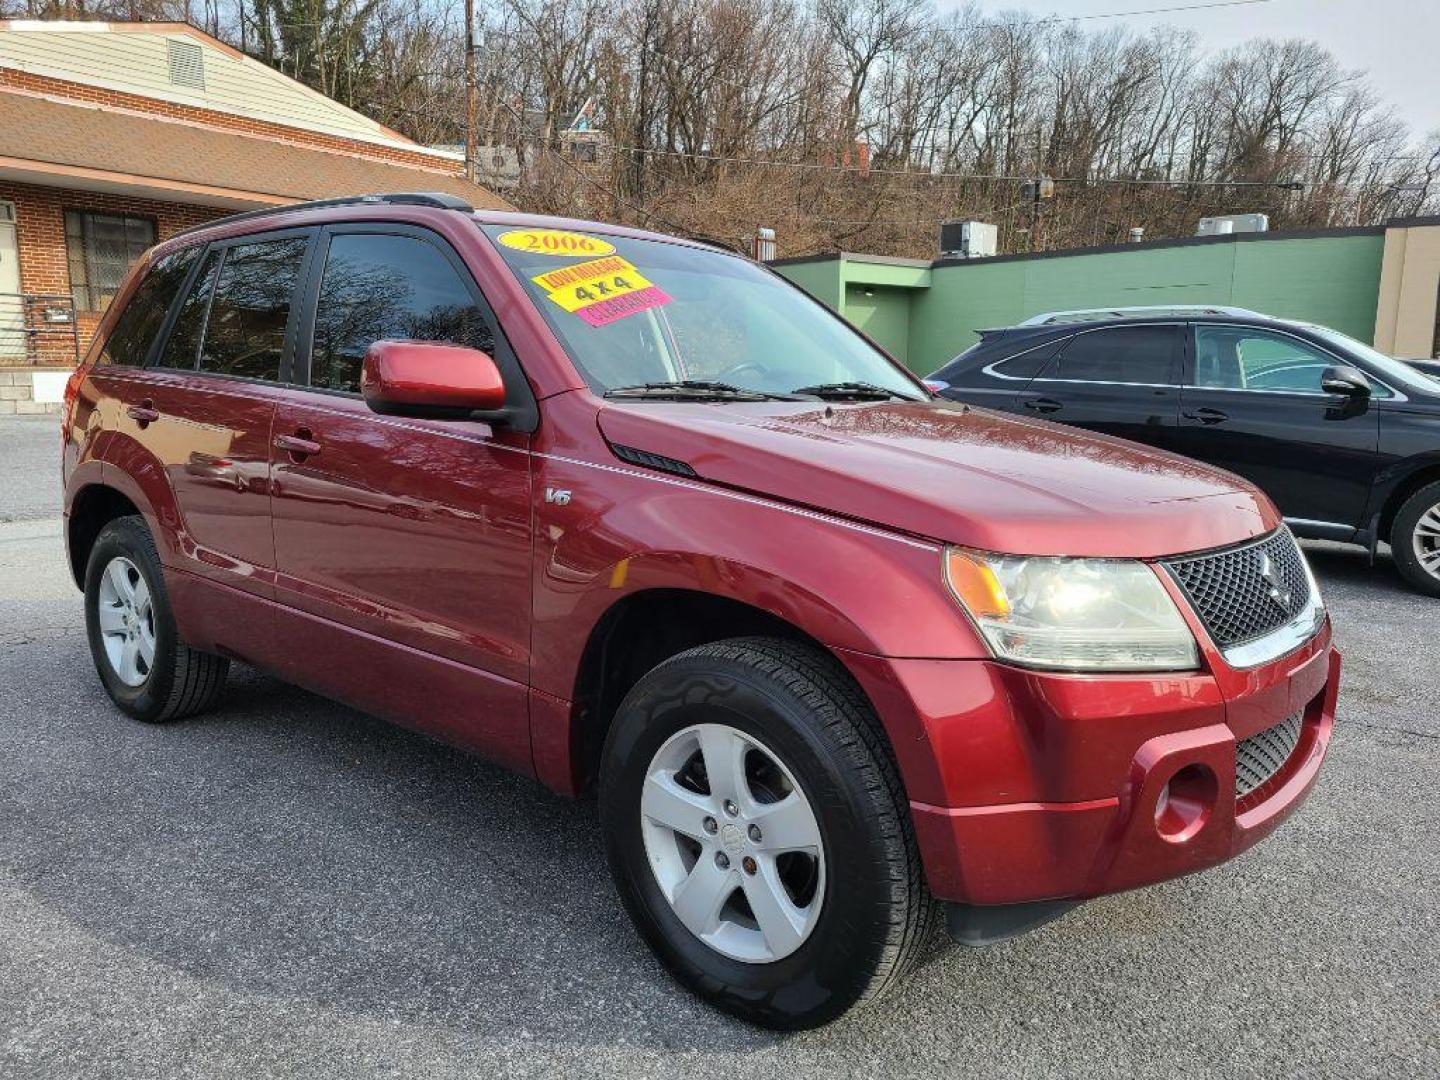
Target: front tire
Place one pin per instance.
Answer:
(146, 669)
(1415, 539)
(759, 835)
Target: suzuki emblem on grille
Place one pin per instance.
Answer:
(1276, 589)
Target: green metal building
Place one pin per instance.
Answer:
(1376, 284)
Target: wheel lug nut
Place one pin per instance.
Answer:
(710, 826)
(755, 833)
(749, 864)
(722, 860)
(731, 808)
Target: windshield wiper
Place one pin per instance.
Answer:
(850, 391)
(694, 390)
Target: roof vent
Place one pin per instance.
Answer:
(187, 64)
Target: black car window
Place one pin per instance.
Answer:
(1026, 365)
(134, 331)
(1122, 354)
(245, 331)
(379, 286)
(184, 343)
(1245, 358)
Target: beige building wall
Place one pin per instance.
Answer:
(1405, 322)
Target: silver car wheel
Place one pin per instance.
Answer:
(733, 842)
(1426, 540)
(127, 621)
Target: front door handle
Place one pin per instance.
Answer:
(144, 413)
(1042, 404)
(301, 444)
(1207, 416)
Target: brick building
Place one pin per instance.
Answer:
(116, 135)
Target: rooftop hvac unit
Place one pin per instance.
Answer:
(968, 239)
(1233, 223)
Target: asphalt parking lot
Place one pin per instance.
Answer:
(288, 888)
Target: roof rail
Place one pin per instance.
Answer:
(1051, 318)
(440, 200)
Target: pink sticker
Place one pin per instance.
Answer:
(604, 312)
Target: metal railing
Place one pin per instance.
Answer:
(39, 328)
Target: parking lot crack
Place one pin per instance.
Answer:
(1392, 730)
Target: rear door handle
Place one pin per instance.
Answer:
(144, 413)
(1042, 404)
(1207, 416)
(300, 444)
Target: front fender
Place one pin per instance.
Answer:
(858, 590)
(847, 585)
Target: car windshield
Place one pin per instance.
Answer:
(657, 321)
(1396, 372)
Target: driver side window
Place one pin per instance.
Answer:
(386, 285)
(1241, 358)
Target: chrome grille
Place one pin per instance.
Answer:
(1264, 754)
(1246, 592)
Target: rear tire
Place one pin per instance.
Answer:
(146, 669)
(859, 915)
(1415, 539)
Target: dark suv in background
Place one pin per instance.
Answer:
(1345, 439)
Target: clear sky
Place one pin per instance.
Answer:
(1396, 41)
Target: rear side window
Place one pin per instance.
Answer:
(184, 342)
(134, 331)
(1123, 354)
(997, 356)
(1026, 365)
(379, 286)
(250, 309)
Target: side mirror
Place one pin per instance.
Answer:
(1346, 380)
(432, 380)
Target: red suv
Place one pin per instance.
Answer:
(632, 514)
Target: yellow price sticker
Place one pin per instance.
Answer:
(557, 242)
(602, 290)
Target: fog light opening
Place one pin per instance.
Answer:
(1185, 803)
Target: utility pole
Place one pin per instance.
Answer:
(472, 91)
(1033, 191)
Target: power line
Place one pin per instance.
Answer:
(1053, 19)
(650, 214)
(919, 174)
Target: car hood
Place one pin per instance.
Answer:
(954, 473)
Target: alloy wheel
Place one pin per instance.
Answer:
(733, 842)
(1426, 540)
(127, 621)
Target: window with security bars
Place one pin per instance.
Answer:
(100, 248)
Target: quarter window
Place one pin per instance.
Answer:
(380, 286)
(100, 249)
(1122, 354)
(250, 309)
(135, 329)
(1026, 365)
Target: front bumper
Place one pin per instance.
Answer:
(1029, 786)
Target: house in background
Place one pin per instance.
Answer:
(114, 136)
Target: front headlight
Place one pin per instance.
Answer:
(1072, 614)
